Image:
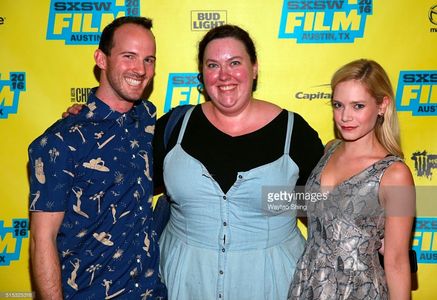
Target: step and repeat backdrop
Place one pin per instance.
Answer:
(46, 65)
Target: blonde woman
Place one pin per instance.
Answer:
(371, 197)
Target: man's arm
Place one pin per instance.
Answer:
(46, 270)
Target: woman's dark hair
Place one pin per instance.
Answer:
(225, 31)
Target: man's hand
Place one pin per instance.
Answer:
(72, 110)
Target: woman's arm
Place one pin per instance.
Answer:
(398, 196)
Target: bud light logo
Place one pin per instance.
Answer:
(81, 22)
(417, 92)
(10, 89)
(325, 21)
(205, 20)
(182, 89)
(11, 239)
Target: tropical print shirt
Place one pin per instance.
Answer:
(96, 167)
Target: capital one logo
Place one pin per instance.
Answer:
(11, 87)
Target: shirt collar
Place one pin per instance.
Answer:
(96, 109)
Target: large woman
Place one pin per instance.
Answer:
(371, 197)
(221, 241)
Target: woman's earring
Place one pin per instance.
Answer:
(380, 118)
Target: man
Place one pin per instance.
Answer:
(92, 230)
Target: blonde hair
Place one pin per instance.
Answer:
(378, 85)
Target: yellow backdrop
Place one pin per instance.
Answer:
(47, 64)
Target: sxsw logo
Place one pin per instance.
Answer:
(205, 20)
(181, 89)
(11, 239)
(425, 240)
(81, 22)
(324, 21)
(10, 89)
(417, 92)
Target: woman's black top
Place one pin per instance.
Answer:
(224, 156)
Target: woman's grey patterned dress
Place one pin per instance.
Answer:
(340, 260)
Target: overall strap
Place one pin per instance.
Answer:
(184, 124)
(289, 132)
(174, 118)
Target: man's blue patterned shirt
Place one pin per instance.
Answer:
(96, 167)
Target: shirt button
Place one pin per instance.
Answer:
(141, 208)
(224, 224)
(221, 272)
(137, 285)
(224, 197)
(220, 295)
(223, 249)
(138, 260)
(239, 176)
